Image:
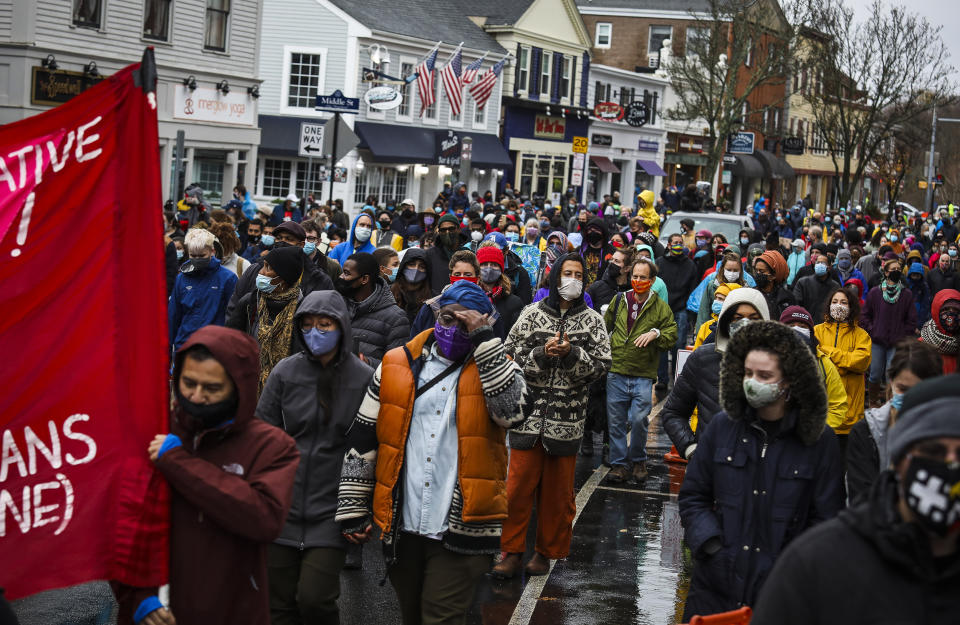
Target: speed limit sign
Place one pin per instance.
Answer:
(580, 145)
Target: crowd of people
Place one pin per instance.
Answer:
(450, 362)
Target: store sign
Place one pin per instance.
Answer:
(648, 146)
(794, 145)
(56, 87)
(637, 114)
(741, 143)
(547, 127)
(206, 104)
(448, 149)
(382, 98)
(604, 140)
(608, 111)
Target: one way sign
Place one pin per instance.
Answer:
(311, 140)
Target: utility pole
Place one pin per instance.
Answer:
(931, 168)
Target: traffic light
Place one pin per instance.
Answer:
(938, 180)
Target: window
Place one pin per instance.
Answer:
(215, 30)
(749, 60)
(744, 116)
(315, 183)
(658, 34)
(479, 116)
(241, 166)
(627, 95)
(208, 167)
(406, 69)
(276, 177)
(523, 69)
(566, 77)
(651, 99)
(431, 112)
(87, 13)
(546, 60)
(698, 41)
(602, 92)
(303, 79)
(156, 19)
(457, 120)
(604, 35)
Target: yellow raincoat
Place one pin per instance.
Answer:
(849, 349)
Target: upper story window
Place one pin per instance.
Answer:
(658, 34)
(304, 76)
(215, 29)
(156, 19)
(566, 77)
(431, 113)
(698, 41)
(546, 61)
(601, 92)
(406, 69)
(88, 13)
(604, 35)
(523, 69)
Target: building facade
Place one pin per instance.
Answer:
(206, 55)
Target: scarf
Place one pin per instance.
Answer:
(887, 297)
(944, 343)
(274, 336)
(496, 293)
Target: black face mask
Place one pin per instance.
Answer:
(253, 238)
(895, 276)
(933, 511)
(409, 214)
(347, 288)
(448, 240)
(613, 271)
(594, 238)
(280, 244)
(200, 264)
(208, 415)
(761, 279)
(385, 225)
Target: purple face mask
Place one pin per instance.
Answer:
(453, 342)
(428, 221)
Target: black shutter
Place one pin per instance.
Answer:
(584, 75)
(557, 70)
(597, 93)
(534, 87)
(516, 73)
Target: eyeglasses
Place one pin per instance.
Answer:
(444, 230)
(313, 239)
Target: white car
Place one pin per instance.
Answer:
(717, 223)
(909, 210)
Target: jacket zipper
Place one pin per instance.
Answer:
(836, 337)
(758, 489)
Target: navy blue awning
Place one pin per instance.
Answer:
(397, 144)
(280, 136)
(488, 151)
(651, 168)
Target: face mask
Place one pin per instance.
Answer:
(265, 284)
(570, 288)
(952, 253)
(744, 241)
(513, 237)
(676, 249)
(384, 225)
(455, 279)
(309, 247)
(731, 276)
(393, 274)
(362, 234)
(414, 275)
(453, 342)
(702, 243)
(321, 342)
(949, 320)
(820, 269)
(179, 254)
(532, 232)
(428, 221)
(839, 311)
(267, 240)
(937, 511)
(760, 394)
(408, 213)
(641, 286)
(893, 238)
(208, 415)
(804, 332)
(895, 276)
(844, 264)
(716, 307)
(738, 325)
(448, 240)
(490, 275)
(476, 236)
(200, 264)
(613, 271)
(346, 287)
(896, 402)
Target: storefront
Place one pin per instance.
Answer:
(624, 159)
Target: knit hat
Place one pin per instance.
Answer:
(448, 218)
(287, 262)
(466, 294)
(916, 268)
(293, 228)
(931, 419)
(490, 254)
(648, 238)
(725, 288)
(775, 261)
(797, 313)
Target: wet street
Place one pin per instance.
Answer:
(627, 565)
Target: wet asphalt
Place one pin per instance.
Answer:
(627, 565)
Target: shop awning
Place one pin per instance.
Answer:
(280, 135)
(774, 166)
(605, 165)
(397, 144)
(651, 168)
(488, 151)
(747, 166)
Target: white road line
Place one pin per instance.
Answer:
(636, 491)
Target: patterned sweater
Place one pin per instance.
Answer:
(557, 389)
(503, 389)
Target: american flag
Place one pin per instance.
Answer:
(450, 75)
(425, 80)
(470, 71)
(483, 88)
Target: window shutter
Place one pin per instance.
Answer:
(516, 74)
(534, 91)
(597, 93)
(584, 76)
(555, 81)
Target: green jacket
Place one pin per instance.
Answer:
(628, 359)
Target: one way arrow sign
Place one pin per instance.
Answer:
(311, 140)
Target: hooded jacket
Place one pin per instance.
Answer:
(231, 490)
(349, 247)
(749, 490)
(378, 323)
(648, 211)
(865, 566)
(680, 275)
(941, 298)
(316, 404)
(849, 350)
(555, 406)
(410, 306)
(601, 254)
(697, 386)
(866, 452)
(199, 298)
(811, 292)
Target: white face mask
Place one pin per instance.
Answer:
(731, 276)
(760, 394)
(362, 234)
(804, 332)
(476, 236)
(570, 288)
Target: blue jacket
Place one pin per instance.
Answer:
(795, 262)
(693, 302)
(346, 249)
(755, 495)
(199, 300)
(277, 218)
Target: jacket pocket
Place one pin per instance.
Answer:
(793, 492)
(729, 473)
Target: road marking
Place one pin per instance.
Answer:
(636, 491)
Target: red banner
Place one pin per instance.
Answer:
(84, 341)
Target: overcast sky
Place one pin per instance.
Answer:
(944, 13)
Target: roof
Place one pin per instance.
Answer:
(680, 6)
(423, 20)
(498, 12)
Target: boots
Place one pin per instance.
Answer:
(538, 564)
(586, 445)
(508, 566)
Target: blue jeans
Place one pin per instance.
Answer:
(665, 373)
(628, 405)
(880, 358)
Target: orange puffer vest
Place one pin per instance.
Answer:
(482, 454)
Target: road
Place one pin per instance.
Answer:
(627, 565)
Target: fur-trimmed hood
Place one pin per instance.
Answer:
(744, 295)
(807, 402)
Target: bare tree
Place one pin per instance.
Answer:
(871, 78)
(741, 46)
(896, 156)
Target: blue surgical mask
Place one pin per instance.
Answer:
(513, 237)
(896, 401)
(321, 342)
(265, 284)
(952, 253)
(267, 240)
(309, 247)
(894, 238)
(179, 254)
(393, 274)
(820, 269)
(716, 307)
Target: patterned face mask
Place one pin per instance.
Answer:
(931, 489)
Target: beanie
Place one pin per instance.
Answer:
(932, 419)
(797, 313)
(490, 254)
(287, 262)
(449, 218)
(777, 264)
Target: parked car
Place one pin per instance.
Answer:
(727, 225)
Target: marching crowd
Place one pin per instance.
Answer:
(433, 373)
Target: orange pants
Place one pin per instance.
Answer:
(534, 474)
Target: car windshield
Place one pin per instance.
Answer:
(727, 227)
